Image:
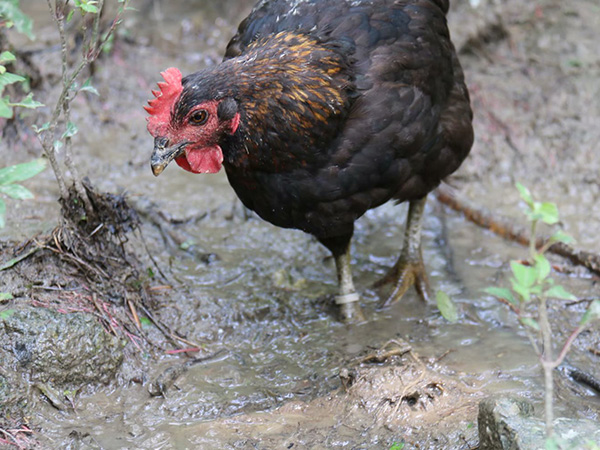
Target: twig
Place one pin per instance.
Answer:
(503, 226)
(103, 314)
(170, 375)
(134, 313)
(586, 379)
(382, 354)
(165, 330)
(11, 262)
(587, 300)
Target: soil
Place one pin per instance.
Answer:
(212, 328)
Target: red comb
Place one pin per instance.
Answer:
(159, 108)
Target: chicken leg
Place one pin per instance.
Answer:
(409, 269)
(347, 298)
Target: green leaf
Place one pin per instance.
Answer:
(6, 313)
(542, 267)
(87, 6)
(552, 444)
(5, 110)
(546, 212)
(146, 322)
(44, 127)
(529, 322)
(7, 57)
(16, 191)
(446, 306)
(87, 87)
(561, 236)
(5, 296)
(502, 293)
(9, 78)
(2, 213)
(20, 172)
(70, 15)
(536, 289)
(557, 291)
(397, 446)
(70, 131)
(10, 12)
(526, 276)
(592, 313)
(28, 102)
(525, 194)
(522, 291)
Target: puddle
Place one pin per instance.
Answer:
(262, 298)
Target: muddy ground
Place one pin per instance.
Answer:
(281, 370)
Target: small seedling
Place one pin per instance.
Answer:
(531, 289)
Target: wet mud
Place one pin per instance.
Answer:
(275, 368)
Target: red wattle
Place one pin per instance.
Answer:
(202, 160)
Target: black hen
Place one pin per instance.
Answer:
(321, 110)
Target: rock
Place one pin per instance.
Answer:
(507, 423)
(12, 401)
(66, 350)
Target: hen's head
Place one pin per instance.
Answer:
(188, 128)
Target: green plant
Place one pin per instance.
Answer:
(397, 446)
(9, 176)
(7, 78)
(12, 16)
(58, 131)
(531, 289)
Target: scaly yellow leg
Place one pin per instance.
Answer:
(409, 270)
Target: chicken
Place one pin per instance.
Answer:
(322, 110)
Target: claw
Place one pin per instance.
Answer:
(404, 275)
(409, 270)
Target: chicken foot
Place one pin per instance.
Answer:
(409, 270)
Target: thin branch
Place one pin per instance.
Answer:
(504, 227)
(96, 26)
(91, 52)
(558, 361)
(66, 107)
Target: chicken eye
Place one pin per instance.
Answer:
(198, 117)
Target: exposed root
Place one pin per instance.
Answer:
(92, 248)
(166, 380)
(384, 353)
(586, 379)
(19, 436)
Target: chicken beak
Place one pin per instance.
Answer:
(163, 155)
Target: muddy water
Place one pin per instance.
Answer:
(263, 297)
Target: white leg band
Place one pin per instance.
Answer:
(347, 298)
